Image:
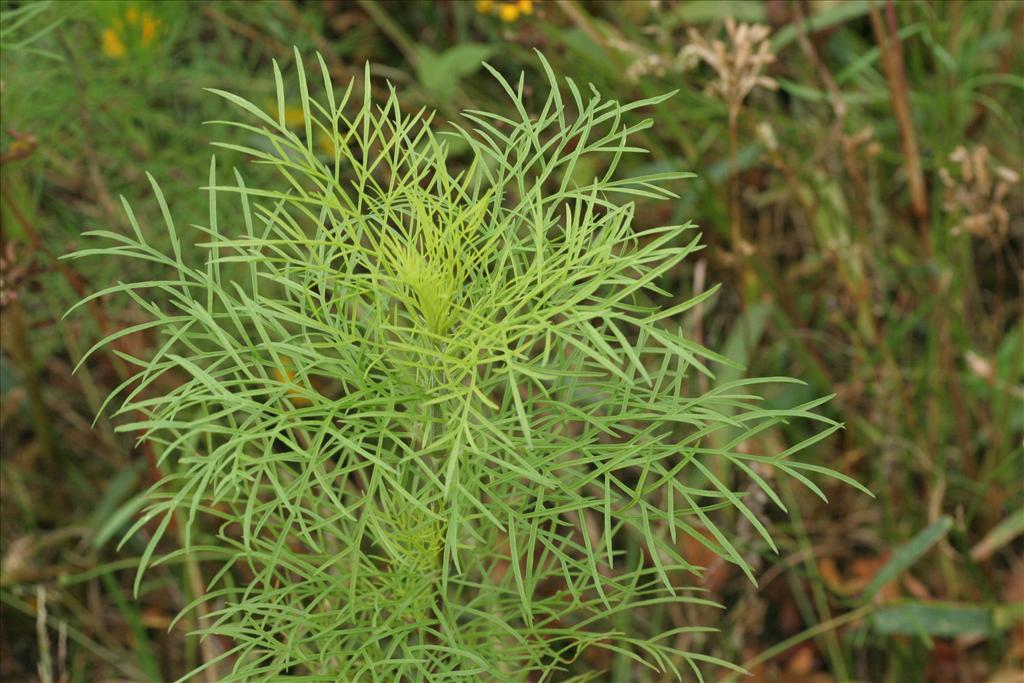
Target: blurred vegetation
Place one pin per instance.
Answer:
(859, 191)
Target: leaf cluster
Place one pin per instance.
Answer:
(424, 404)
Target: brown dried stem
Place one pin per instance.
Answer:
(892, 61)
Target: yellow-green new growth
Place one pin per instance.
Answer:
(433, 252)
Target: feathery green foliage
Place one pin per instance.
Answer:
(423, 409)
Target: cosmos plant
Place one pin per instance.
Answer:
(423, 404)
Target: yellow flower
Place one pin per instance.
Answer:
(136, 28)
(149, 26)
(508, 12)
(294, 117)
(112, 44)
(326, 143)
(287, 376)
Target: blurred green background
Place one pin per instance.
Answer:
(859, 192)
